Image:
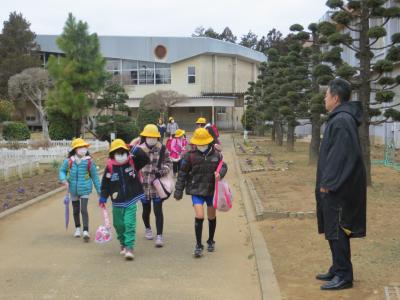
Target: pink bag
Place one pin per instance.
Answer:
(164, 186)
(222, 194)
(103, 233)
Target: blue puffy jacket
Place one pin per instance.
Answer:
(79, 177)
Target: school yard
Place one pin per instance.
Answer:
(41, 260)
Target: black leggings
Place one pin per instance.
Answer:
(158, 213)
(81, 209)
(176, 165)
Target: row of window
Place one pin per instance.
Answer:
(132, 72)
(218, 109)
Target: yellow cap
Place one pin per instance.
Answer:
(150, 130)
(201, 137)
(179, 132)
(77, 143)
(201, 121)
(118, 144)
(170, 118)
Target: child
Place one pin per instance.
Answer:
(198, 175)
(178, 145)
(77, 173)
(155, 150)
(121, 183)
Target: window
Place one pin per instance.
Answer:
(191, 75)
(140, 72)
(30, 118)
(192, 110)
(221, 110)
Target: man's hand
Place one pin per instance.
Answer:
(324, 190)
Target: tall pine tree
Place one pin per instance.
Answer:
(78, 75)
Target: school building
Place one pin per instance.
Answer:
(212, 75)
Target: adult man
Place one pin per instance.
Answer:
(172, 126)
(341, 183)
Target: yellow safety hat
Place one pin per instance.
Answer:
(77, 143)
(150, 130)
(117, 144)
(170, 118)
(179, 132)
(201, 137)
(201, 121)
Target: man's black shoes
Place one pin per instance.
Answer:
(325, 277)
(337, 284)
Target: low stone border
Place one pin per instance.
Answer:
(262, 213)
(249, 169)
(30, 202)
(34, 200)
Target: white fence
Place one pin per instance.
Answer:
(16, 162)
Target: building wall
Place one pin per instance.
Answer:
(214, 74)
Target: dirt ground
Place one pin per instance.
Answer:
(18, 191)
(298, 252)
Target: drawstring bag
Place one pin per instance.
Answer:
(222, 194)
(164, 185)
(103, 233)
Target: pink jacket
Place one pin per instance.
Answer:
(178, 147)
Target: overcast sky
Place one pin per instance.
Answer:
(167, 17)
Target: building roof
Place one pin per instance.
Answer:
(142, 48)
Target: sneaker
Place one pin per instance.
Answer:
(77, 233)
(86, 236)
(198, 251)
(123, 250)
(159, 241)
(211, 246)
(129, 254)
(148, 234)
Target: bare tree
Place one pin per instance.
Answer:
(32, 85)
(162, 100)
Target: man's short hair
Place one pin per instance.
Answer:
(340, 87)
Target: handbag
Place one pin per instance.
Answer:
(103, 233)
(222, 200)
(165, 185)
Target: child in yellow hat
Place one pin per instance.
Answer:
(78, 173)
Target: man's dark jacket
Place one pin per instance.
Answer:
(341, 170)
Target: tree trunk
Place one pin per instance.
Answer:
(279, 134)
(365, 90)
(273, 132)
(290, 137)
(315, 138)
(45, 127)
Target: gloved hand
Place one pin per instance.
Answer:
(157, 174)
(178, 195)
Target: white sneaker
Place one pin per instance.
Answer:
(159, 241)
(129, 254)
(123, 250)
(86, 236)
(77, 233)
(148, 234)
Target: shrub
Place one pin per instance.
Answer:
(60, 127)
(16, 131)
(127, 129)
(6, 109)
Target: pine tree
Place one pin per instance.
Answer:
(18, 50)
(79, 75)
(352, 27)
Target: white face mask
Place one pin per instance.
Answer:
(151, 141)
(202, 148)
(121, 158)
(81, 151)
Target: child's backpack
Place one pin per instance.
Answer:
(89, 165)
(168, 144)
(214, 127)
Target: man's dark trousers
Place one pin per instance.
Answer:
(341, 257)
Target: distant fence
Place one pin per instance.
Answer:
(17, 162)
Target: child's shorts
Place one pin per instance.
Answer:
(146, 200)
(201, 199)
